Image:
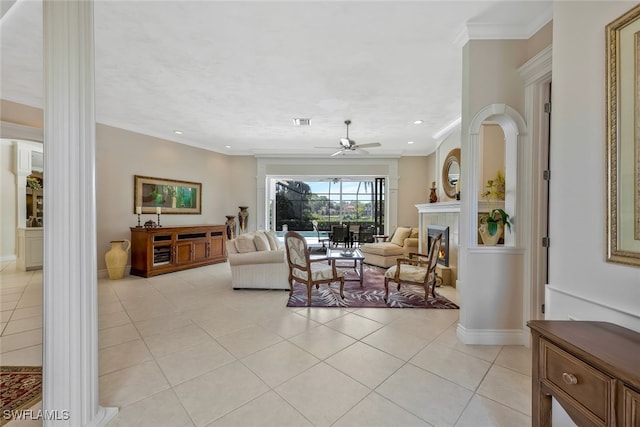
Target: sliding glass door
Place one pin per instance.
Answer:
(329, 201)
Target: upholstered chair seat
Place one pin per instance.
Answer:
(408, 273)
(318, 272)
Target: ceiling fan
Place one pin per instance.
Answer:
(346, 145)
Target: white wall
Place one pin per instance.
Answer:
(8, 210)
(414, 185)
(494, 286)
(226, 182)
(582, 284)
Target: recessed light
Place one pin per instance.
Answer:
(410, 142)
(301, 122)
(177, 132)
(418, 122)
(227, 146)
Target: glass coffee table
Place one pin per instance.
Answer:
(350, 255)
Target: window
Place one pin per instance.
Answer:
(329, 201)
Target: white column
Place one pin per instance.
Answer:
(70, 361)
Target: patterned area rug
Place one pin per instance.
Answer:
(371, 294)
(20, 388)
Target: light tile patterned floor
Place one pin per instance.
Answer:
(185, 349)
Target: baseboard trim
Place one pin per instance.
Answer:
(492, 336)
(8, 258)
(104, 273)
(103, 417)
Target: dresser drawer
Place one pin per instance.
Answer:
(588, 386)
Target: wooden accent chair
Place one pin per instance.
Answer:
(417, 269)
(308, 271)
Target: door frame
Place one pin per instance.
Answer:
(537, 76)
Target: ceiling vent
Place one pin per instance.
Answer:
(302, 122)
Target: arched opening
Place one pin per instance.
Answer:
(488, 156)
(496, 274)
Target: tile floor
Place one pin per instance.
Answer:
(185, 349)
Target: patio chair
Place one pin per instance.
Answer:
(339, 235)
(354, 234)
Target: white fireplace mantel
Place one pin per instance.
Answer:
(444, 214)
(453, 206)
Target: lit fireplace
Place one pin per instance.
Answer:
(432, 232)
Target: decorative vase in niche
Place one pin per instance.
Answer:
(488, 239)
(242, 218)
(116, 259)
(231, 227)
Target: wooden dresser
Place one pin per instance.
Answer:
(591, 368)
(167, 249)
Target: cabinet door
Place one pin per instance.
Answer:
(183, 252)
(200, 250)
(217, 248)
(631, 408)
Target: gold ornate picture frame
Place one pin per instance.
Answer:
(623, 138)
(170, 195)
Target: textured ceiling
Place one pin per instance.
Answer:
(237, 73)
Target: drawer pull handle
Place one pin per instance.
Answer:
(569, 378)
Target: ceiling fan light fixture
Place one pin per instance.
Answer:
(348, 145)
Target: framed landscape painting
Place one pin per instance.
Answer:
(623, 138)
(170, 195)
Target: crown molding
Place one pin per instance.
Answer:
(11, 130)
(537, 66)
(490, 31)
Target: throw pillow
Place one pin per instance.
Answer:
(399, 236)
(261, 241)
(414, 233)
(245, 244)
(273, 240)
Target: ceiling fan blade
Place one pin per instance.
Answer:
(370, 145)
(361, 151)
(337, 152)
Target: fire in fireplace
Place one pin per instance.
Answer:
(432, 233)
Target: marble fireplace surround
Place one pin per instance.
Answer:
(443, 214)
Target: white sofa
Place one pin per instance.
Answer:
(258, 261)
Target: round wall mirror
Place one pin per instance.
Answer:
(451, 172)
